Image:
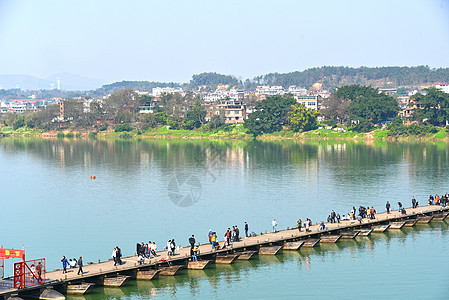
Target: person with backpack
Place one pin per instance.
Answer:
(173, 246)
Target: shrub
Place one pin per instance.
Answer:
(93, 135)
(123, 127)
(69, 135)
(103, 128)
(78, 135)
(125, 135)
(60, 135)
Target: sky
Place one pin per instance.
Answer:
(171, 40)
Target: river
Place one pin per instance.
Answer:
(163, 189)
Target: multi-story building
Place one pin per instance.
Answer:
(310, 102)
(232, 111)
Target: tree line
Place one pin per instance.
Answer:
(359, 108)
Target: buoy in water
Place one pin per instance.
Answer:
(93, 177)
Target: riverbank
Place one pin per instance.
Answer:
(233, 132)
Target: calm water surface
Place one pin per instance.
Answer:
(159, 190)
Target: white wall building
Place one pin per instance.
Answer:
(443, 87)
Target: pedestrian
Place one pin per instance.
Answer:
(119, 255)
(246, 229)
(39, 272)
(338, 218)
(114, 256)
(400, 206)
(141, 259)
(299, 225)
(228, 233)
(387, 206)
(413, 202)
(210, 236)
(169, 248)
(65, 262)
(80, 265)
(192, 244)
(214, 240)
(237, 234)
(333, 216)
(307, 225)
(322, 227)
(274, 224)
(173, 246)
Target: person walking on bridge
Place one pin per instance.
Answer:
(192, 244)
(246, 229)
(274, 224)
(413, 202)
(80, 265)
(65, 262)
(387, 206)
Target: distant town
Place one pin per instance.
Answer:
(218, 100)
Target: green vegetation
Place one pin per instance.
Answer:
(270, 115)
(302, 119)
(69, 135)
(125, 135)
(123, 127)
(332, 77)
(93, 135)
(432, 108)
(60, 135)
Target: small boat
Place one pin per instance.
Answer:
(226, 259)
(293, 245)
(198, 264)
(147, 275)
(365, 232)
(329, 238)
(380, 228)
(118, 281)
(79, 289)
(410, 223)
(170, 271)
(397, 225)
(425, 219)
(311, 243)
(270, 250)
(349, 234)
(247, 255)
(440, 217)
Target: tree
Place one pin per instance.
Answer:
(368, 104)
(433, 108)
(336, 108)
(195, 118)
(269, 115)
(302, 119)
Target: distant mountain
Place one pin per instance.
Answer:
(73, 82)
(24, 82)
(329, 77)
(67, 81)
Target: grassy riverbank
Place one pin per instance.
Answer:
(232, 132)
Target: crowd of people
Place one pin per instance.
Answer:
(71, 263)
(233, 235)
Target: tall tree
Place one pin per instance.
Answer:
(195, 118)
(432, 108)
(302, 119)
(269, 115)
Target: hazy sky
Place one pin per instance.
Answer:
(171, 40)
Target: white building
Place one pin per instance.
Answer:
(270, 90)
(297, 91)
(158, 91)
(443, 87)
(310, 102)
